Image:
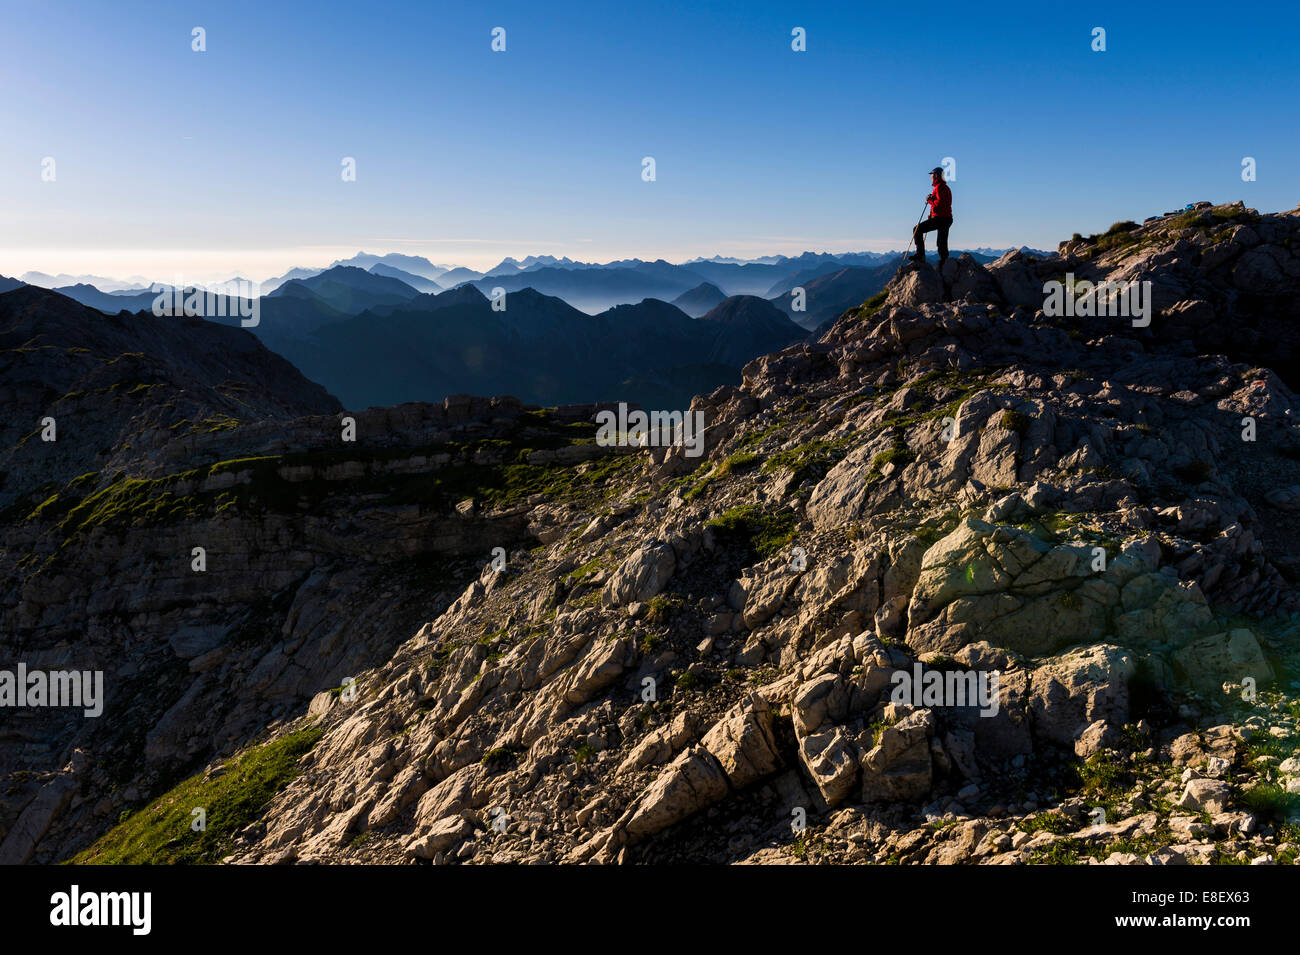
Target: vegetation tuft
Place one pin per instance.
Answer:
(161, 833)
(761, 531)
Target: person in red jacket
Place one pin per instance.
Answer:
(940, 221)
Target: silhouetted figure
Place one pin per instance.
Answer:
(940, 221)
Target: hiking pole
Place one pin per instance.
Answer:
(909, 241)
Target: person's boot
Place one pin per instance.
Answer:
(916, 257)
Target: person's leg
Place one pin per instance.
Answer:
(944, 225)
(929, 225)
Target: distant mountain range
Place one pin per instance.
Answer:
(829, 294)
(1023, 250)
(700, 300)
(372, 339)
(104, 284)
(349, 289)
(354, 337)
(417, 282)
(415, 264)
(590, 287)
(594, 288)
(383, 329)
(273, 283)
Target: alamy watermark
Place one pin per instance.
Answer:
(237, 298)
(1071, 299)
(23, 688)
(77, 908)
(946, 688)
(658, 429)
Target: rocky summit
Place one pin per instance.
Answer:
(968, 579)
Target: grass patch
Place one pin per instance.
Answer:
(1044, 822)
(811, 459)
(873, 304)
(1103, 779)
(756, 437)
(1070, 851)
(660, 609)
(1012, 420)
(1197, 218)
(966, 385)
(160, 834)
(487, 470)
(899, 454)
(500, 758)
(1108, 243)
(1101, 776)
(734, 464)
(583, 571)
(751, 526)
(1270, 801)
(877, 728)
(1069, 600)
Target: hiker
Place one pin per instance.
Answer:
(940, 221)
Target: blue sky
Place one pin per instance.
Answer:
(206, 164)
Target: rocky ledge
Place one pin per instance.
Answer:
(961, 582)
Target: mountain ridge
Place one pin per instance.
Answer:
(681, 654)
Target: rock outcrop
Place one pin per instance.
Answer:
(948, 583)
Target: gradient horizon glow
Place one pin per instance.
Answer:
(228, 161)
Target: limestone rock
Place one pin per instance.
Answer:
(643, 575)
(1224, 657)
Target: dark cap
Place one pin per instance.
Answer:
(937, 169)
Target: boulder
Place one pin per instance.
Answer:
(643, 575)
(898, 768)
(1205, 795)
(832, 761)
(1221, 658)
(918, 285)
(661, 744)
(743, 743)
(1017, 283)
(973, 280)
(20, 841)
(444, 834)
(1284, 498)
(604, 661)
(1072, 692)
(689, 783)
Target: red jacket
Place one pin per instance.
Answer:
(940, 201)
